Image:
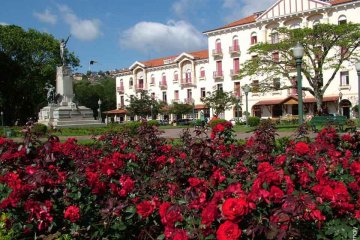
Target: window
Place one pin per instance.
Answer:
(219, 68)
(131, 82)
(164, 97)
(344, 78)
(176, 94)
(253, 39)
(189, 94)
(152, 81)
(202, 92)
(188, 76)
(276, 83)
(237, 89)
(122, 101)
(275, 57)
(219, 87)
(235, 46)
(218, 46)
(342, 20)
(202, 73)
(163, 79)
(153, 96)
(141, 83)
(176, 76)
(274, 37)
(255, 86)
(236, 65)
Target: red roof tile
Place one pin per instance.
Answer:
(336, 2)
(203, 54)
(243, 21)
(116, 111)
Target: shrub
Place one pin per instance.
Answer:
(129, 127)
(153, 123)
(253, 121)
(213, 123)
(39, 129)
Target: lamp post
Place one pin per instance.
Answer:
(238, 107)
(246, 89)
(151, 110)
(357, 67)
(193, 105)
(340, 97)
(298, 52)
(99, 103)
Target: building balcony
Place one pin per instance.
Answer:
(163, 85)
(292, 92)
(187, 83)
(217, 53)
(120, 89)
(121, 106)
(139, 88)
(234, 73)
(189, 101)
(175, 80)
(175, 100)
(234, 50)
(218, 75)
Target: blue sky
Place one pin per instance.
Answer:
(116, 33)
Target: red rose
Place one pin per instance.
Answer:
(234, 207)
(228, 231)
(276, 194)
(145, 208)
(180, 235)
(301, 148)
(355, 168)
(209, 214)
(72, 213)
(169, 214)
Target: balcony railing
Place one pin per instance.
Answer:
(176, 100)
(188, 100)
(217, 53)
(162, 85)
(121, 106)
(218, 75)
(234, 49)
(234, 73)
(120, 89)
(292, 92)
(187, 83)
(175, 79)
(139, 87)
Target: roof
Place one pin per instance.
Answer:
(202, 54)
(294, 99)
(116, 111)
(200, 106)
(243, 21)
(336, 2)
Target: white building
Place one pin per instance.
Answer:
(188, 76)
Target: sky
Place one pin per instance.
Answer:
(117, 33)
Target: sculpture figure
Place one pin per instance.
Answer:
(62, 49)
(50, 93)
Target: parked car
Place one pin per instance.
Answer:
(163, 121)
(239, 120)
(184, 121)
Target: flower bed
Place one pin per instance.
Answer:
(142, 187)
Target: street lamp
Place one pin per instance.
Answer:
(193, 105)
(99, 103)
(238, 106)
(298, 52)
(340, 97)
(151, 110)
(246, 89)
(357, 67)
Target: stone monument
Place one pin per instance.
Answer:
(61, 111)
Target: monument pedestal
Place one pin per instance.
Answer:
(65, 113)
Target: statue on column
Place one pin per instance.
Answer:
(51, 93)
(62, 49)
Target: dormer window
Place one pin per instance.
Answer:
(253, 38)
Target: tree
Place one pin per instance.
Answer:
(180, 108)
(28, 60)
(219, 101)
(144, 105)
(88, 94)
(326, 47)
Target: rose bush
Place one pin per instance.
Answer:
(145, 187)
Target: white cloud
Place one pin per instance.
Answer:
(46, 17)
(175, 36)
(4, 23)
(239, 9)
(83, 29)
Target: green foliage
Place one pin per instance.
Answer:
(88, 94)
(253, 121)
(180, 108)
(28, 60)
(129, 127)
(153, 123)
(5, 234)
(213, 123)
(219, 101)
(39, 129)
(322, 51)
(144, 105)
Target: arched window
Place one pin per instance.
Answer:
(253, 38)
(342, 20)
(235, 43)
(163, 79)
(274, 36)
(218, 46)
(176, 76)
(131, 82)
(152, 79)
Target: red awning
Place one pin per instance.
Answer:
(200, 106)
(116, 111)
(269, 102)
(288, 99)
(325, 99)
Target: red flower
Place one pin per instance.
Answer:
(209, 213)
(169, 214)
(180, 235)
(234, 208)
(72, 213)
(276, 194)
(228, 231)
(301, 148)
(145, 208)
(355, 168)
